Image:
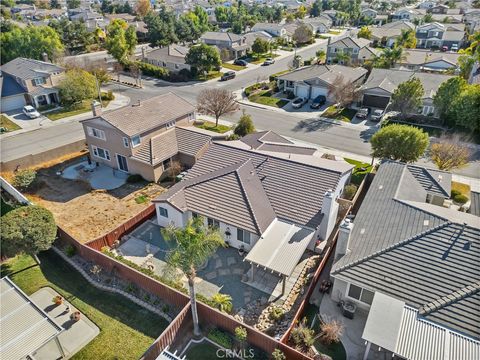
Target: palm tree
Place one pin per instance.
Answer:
(320, 54)
(393, 55)
(195, 243)
(223, 302)
(343, 58)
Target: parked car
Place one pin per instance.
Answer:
(268, 61)
(377, 115)
(444, 48)
(240, 62)
(454, 48)
(363, 113)
(31, 112)
(298, 102)
(318, 101)
(228, 75)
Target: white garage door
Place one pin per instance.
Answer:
(12, 102)
(319, 91)
(301, 91)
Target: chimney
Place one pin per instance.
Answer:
(96, 108)
(343, 241)
(329, 212)
(45, 57)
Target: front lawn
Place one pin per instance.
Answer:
(339, 114)
(126, 329)
(211, 75)
(233, 67)
(334, 32)
(208, 125)
(8, 124)
(64, 112)
(360, 171)
(260, 59)
(263, 97)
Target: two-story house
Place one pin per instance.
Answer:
(274, 29)
(357, 50)
(427, 4)
(145, 138)
(28, 81)
(171, 57)
(387, 34)
(408, 14)
(235, 45)
(436, 35)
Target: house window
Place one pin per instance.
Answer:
(38, 81)
(243, 236)
(191, 116)
(213, 223)
(170, 124)
(360, 294)
(166, 164)
(135, 141)
(427, 110)
(163, 212)
(125, 142)
(99, 134)
(194, 215)
(101, 153)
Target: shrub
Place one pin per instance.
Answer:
(245, 125)
(277, 354)
(241, 333)
(331, 331)
(134, 178)
(232, 137)
(24, 179)
(302, 336)
(454, 193)
(70, 250)
(107, 95)
(460, 198)
(223, 302)
(152, 70)
(349, 191)
(221, 338)
(276, 313)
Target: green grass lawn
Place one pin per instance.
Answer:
(260, 59)
(84, 107)
(263, 98)
(233, 67)
(343, 115)
(126, 329)
(202, 351)
(208, 125)
(8, 124)
(211, 75)
(334, 32)
(360, 171)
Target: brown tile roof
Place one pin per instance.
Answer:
(149, 114)
(272, 142)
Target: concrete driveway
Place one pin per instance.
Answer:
(22, 120)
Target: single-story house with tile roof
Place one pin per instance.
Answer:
(312, 81)
(381, 83)
(253, 35)
(171, 57)
(419, 59)
(406, 243)
(388, 33)
(260, 200)
(146, 137)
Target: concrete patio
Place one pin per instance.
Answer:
(99, 177)
(76, 334)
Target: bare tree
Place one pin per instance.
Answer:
(330, 331)
(216, 102)
(449, 153)
(303, 34)
(344, 92)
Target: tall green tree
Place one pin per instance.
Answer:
(73, 4)
(407, 97)
(202, 16)
(74, 35)
(203, 58)
(30, 42)
(245, 125)
(316, 8)
(77, 85)
(365, 33)
(467, 108)
(194, 244)
(260, 46)
(399, 142)
(161, 27)
(27, 229)
(447, 94)
(121, 40)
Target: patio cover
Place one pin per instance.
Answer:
(281, 247)
(25, 327)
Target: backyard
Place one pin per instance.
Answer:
(360, 171)
(126, 329)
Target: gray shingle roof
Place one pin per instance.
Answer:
(136, 119)
(421, 253)
(326, 73)
(27, 69)
(222, 36)
(294, 189)
(173, 53)
(420, 56)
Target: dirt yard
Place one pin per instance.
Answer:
(85, 213)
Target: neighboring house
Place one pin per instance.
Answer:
(471, 18)
(37, 79)
(387, 34)
(333, 14)
(275, 205)
(418, 59)
(274, 29)
(235, 45)
(319, 25)
(371, 16)
(440, 9)
(253, 35)
(408, 14)
(435, 35)
(27, 331)
(369, 13)
(381, 84)
(312, 81)
(171, 57)
(412, 263)
(358, 50)
(427, 4)
(145, 138)
(448, 19)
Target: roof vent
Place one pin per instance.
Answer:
(426, 222)
(137, 103)
(362, 231)
(380, 187)
(440, 178)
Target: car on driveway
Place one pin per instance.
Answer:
(228, 75)
(362, 113)
(268, 61)
(318, 101)
(377, 115)
(298, 102)
(240, 62)
(31, 112)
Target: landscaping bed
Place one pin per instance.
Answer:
(8, 124)
(211, 75)
(344, 114)
(210, 126)
(360, 171)
(126, 329)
